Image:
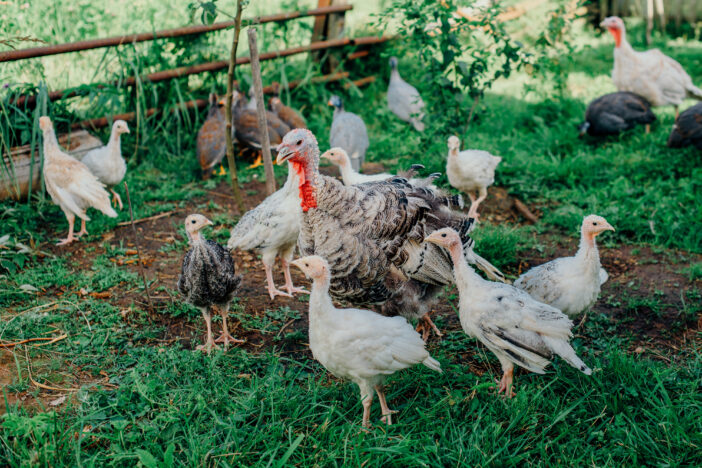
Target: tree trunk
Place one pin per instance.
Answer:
(261, 111)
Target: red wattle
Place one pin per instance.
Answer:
(307, 191)
(617, 36)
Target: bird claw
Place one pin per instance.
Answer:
(502, 386)
(277, 292)
(66, 241)
(257, 163)
(207, 347)
(295, 289)
(226, 338)
(426, 326)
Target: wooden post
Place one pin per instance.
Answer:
(328, 27)
(261, 111)
(228, 110)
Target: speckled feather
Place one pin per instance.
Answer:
(371, 235)
(207, 275)
(687, 129)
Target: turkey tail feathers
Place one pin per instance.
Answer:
(694, 92)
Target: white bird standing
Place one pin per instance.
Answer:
(272, 229)
(359, 345)
(570, 284)
(70, 184)
(470, 170)
(107, 162)
(404, 100)
(651, 74)
(515, 327)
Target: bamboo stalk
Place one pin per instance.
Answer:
(261, 111)
(228, 110)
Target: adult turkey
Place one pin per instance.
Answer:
(651, 74)
(615, 112)
(687, 129)
(372, 235)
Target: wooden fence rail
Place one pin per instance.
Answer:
(166, 33)
(218, 65)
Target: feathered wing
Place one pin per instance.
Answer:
(211, 141)
(541, 281)
(381, 345)
(184, 283)
(76, 187)
(372, 236)
(529, 332)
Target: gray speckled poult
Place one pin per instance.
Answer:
(208, 278)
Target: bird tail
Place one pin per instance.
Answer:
(95, 194)
(488, 268)
(566, 351)
(432, 364)
(694, 92)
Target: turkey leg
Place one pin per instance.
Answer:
(506, 382)
(473, 211)
(387, 412)
(426, 326)
(366, 401)
(288, 280)
(83, 229)
(272, 291)
(225, 337)
(71, 219)
(209, 344)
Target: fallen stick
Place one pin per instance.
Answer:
(150, 218)
(49, 340)
(524, 210)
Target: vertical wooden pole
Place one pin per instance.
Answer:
(261, 111)
(228, 109)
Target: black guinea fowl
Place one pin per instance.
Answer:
(687, 129)
(208, 279)
(615, 112)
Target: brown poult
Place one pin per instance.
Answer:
(287, 114)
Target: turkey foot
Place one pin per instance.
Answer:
(506, 384)
(116, 199)
(257, 163)
(221, 171)
(426, 326)
(272, 291)
(226, 338)
(207, 347)
(70, 238)
(386, 411)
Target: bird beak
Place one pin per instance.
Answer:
(297, 263)
(330, 103)
(430, 238)
(284, 153)
(609, 227)
(127, 131)
(209, 223)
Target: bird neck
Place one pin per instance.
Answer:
(394, 74)
(588, 247)
(462, 272)
(195, 239)
(307, 170)
(346, 171)
(619, 37)
(320, 300)
(50, 143)
(114, 143)
(291, 183)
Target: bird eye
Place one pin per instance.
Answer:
(595, 223)
(443, 235)
(193, 221)
(307, 264)
(299, 142)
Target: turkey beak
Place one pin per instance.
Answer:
(297, 264)
(284, 153)
(208, 222)
(430, 238)
(608, 227)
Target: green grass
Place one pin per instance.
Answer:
(138, 400)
